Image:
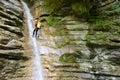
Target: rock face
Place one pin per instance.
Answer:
(11, 43)
(77, 50)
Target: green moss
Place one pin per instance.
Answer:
(68, 58)
(102, 25)
(101, 37)
(60, 30)
(52, 21)
(75, 7)
(115, 33)
(81, 8)
(113, 10)
(62, 42)
(88, 38)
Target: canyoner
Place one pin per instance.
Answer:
(37, 25)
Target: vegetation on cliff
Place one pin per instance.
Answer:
(67, 7)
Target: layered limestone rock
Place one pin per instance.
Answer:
(11, 40)
(77, 50)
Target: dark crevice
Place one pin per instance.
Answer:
(18, 16)
(96, 45)
(13, 56)
(3, 47)
(93, 73)
(5, 27)
(10, 23)
(115, 40)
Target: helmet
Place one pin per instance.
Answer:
(36, 20)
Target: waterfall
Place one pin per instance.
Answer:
(37, 70)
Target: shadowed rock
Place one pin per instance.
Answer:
(12, 29)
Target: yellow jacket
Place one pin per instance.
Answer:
(39, 24)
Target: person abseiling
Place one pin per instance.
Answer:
(37, 25)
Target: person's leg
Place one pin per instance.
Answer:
(37, 31)
(34, 31)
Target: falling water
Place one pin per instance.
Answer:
(37, 72)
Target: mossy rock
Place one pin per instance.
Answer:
(62, 42)
(102, 25)
(68, 58)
